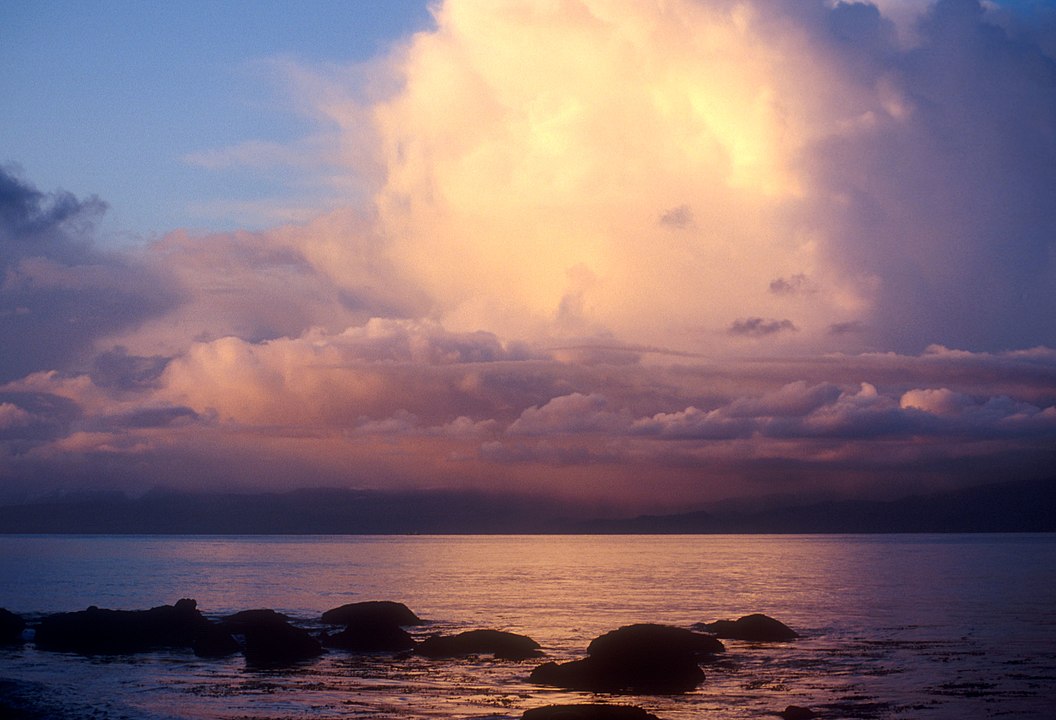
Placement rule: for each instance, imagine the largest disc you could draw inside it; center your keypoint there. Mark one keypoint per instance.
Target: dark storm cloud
(759, 327)
(117, 369)
(680, 217)
(947, 190)
(58, 294)
(150, 417)
(27, 418)
(847, 328)
(798, 284)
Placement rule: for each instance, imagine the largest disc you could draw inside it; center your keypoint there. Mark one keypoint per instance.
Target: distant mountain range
(1028, 506)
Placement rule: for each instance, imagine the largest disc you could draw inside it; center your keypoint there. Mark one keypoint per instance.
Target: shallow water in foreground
(894, 626)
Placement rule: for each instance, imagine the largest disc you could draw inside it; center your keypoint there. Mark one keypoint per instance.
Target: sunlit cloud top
(735, 248)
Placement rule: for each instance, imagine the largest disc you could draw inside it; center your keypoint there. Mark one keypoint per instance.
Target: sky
(651, 255)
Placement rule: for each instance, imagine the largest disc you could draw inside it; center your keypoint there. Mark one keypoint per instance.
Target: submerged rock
(644, 658)
(754, 628)
(100, 631)
(588, 711)
(383, 612)
(503, 645)
(11, 627)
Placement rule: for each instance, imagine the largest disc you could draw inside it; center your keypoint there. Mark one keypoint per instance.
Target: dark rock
(503, 645)
(272, 643)
(263, 616)
(646, 658)
(214, 641)
(593, 676)
(587, 711)
(368, 637)
(652, 643)
(100, 631)
(382, 612)
(755, 628)
(580, 675)
(796, 712)
(11, 627)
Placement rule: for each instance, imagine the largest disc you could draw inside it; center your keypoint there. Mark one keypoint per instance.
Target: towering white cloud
(667, 251)
(697, 174)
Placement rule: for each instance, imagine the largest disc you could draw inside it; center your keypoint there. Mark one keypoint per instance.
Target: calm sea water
(903, 626)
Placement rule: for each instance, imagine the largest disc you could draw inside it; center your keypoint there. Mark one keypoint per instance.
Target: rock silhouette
(214, 641)
(754, 628)
(503, 645)
(11, 627)
(369, 637)
(271, 643)
(99, 631)
(796, 712)
(383, 612)
(587, 711)
(644, 658)
(259, 616)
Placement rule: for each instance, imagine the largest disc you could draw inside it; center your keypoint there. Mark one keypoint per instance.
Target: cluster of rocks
(639, 659)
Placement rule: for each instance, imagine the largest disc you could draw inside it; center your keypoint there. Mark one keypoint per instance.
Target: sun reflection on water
(893, 626)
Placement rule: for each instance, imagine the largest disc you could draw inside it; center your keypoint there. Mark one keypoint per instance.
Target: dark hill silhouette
(1025, 506)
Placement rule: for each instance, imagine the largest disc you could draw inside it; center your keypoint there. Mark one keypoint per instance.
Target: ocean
(893, 626)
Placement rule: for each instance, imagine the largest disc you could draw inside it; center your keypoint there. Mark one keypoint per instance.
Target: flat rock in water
(384, 612)
(101, 631)
(588, 711)
(797, 712)
(503, 645)
(753, 628)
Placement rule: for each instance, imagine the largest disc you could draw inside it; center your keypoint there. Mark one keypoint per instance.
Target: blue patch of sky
(109, 97)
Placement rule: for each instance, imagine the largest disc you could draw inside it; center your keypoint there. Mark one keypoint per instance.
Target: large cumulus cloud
(659, 252)
(671, 172)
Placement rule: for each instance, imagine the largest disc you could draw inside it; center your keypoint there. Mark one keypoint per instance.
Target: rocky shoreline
(639, 659)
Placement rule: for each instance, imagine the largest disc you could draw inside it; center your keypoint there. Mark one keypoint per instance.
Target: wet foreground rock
(754, 628)
(503, 645)
(99, 631)
(588, 711)
(644, 658)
